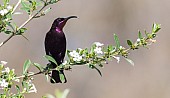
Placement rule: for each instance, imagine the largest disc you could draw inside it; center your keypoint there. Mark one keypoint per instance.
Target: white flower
(74, 53)
(79, 58)
(4, 62)
(98, 44)
(64, 63)
(6, 70)
(121, 47)
(3, 83)
(3, 12)
(98, 50)
(9, 7)
(138, 40)
(80, 49)
(117, 58)
(32, 87)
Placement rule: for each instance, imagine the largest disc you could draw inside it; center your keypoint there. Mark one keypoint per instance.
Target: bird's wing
(47, 45)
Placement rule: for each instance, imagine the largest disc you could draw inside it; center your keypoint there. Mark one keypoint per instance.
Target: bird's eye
(61, 19)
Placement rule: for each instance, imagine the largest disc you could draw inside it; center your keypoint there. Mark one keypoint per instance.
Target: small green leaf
(26, 66)
(10, 25)
(156, 28)
(25, 85)
(47, 10)
(62, 77)
(25, 6)
(21, 31)
(94, 67)
(50, 58)
(53, 1)
(18, 88)
(7, 32)
(40, 68)
(117, 41)
(98, 71)
(130, 61)
(129, 42)
(140, 35)
(49, 96)
(47, 77)
(60, 94)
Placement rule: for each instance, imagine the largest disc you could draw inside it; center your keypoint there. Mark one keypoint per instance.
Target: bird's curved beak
(71, 17)
(62, 24)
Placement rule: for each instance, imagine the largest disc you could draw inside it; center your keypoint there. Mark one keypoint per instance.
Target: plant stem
(4, 42)
(26, 22)
(31, 17)
(16, 6)
(30, 75)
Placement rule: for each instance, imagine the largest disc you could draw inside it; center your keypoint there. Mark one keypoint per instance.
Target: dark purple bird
(55, 46)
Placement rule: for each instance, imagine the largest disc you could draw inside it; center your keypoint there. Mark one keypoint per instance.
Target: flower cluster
(76, 56)
(3, 80)
(4, 11)
(3, 84)
(98, 48)
(8, 78)
(31, 87)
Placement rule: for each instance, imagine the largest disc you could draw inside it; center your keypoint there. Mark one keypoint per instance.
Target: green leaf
(94, 67)
(21, 31)
(7, 32)
(98, 71)
(47, 77)
(25, 6)
(129, 42)
(117, 41)
(53, 1)
(26, 66)
(47, 10)
(49, 96)
(10, 25)
(62, 77)
(140, 35)
(50, 59)
(25, 85)
(130, 61)
(60, 94)
(40, 68)
(18, 88)
(156, 28)
(5, 2)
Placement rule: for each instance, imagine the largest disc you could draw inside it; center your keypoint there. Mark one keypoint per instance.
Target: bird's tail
(55, 78)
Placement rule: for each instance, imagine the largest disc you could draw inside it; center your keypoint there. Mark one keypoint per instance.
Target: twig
(31, 17)
(30, 75)
(2, 43)
(16, 6)
(26, 22)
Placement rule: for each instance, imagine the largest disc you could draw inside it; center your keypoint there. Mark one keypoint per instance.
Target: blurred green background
(98, 20)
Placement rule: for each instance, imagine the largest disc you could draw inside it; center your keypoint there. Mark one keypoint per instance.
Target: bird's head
(60, 22)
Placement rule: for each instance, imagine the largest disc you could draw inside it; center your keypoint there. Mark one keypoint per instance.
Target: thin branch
(16, 6)
(26, 22)
(4, 42)
(30, 75)
(31, 17)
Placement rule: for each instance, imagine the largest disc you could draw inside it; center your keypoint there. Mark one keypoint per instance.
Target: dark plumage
(55, 46)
